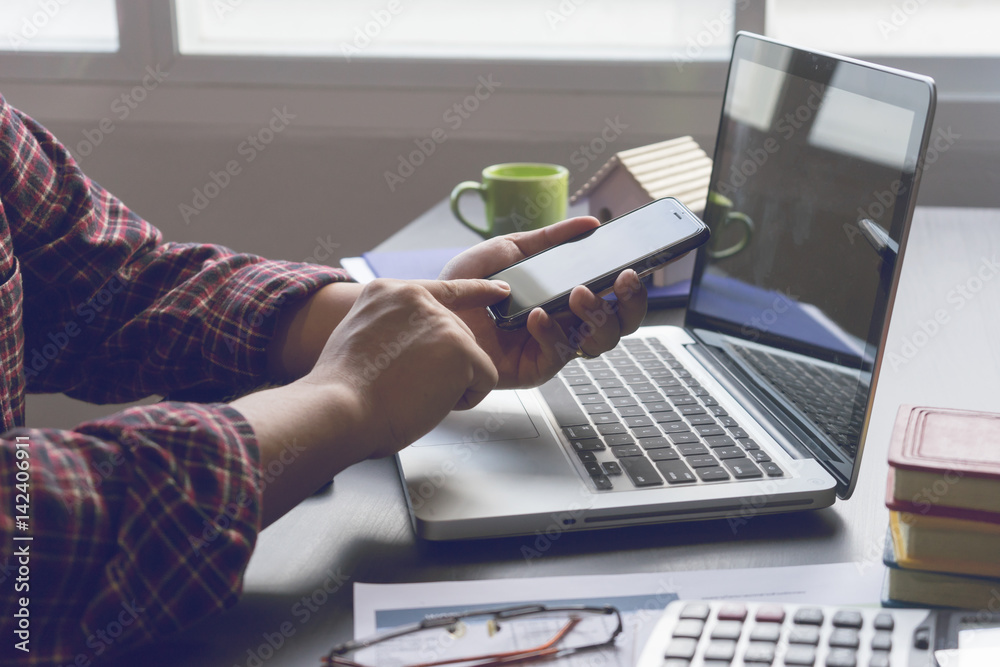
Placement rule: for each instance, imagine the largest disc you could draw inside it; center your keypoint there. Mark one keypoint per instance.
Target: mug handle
(739, 245)
(457, 193)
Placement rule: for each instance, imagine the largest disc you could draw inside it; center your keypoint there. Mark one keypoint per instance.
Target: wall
(318, 190)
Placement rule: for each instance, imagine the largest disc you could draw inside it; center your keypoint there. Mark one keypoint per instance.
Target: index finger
(466, 293)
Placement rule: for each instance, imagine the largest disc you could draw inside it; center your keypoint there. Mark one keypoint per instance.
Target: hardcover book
(945, 462)
(905, 586)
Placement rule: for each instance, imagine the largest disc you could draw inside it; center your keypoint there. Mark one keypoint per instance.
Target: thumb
(463, 294)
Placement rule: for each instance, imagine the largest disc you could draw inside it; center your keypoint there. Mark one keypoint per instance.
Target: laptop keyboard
(636, 418)
(829, 399)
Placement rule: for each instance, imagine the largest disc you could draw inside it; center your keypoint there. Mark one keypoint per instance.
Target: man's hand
(534, 354)
(397, 363)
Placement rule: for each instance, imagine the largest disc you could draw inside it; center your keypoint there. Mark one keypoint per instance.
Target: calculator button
(804, 634)
(681, 647)
(720, 649)
(879, 659)
(847, 619)
(770, 614)
(689, 627)
(884, 621)
(844, 637)
(800, 655)
(698, 610)
(727, 630)
(808, 616)
(759, 653)
(732, 611)
(882, 641)
(765, 632)
(842, 657)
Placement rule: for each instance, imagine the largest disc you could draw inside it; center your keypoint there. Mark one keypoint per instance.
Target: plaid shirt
(142, 522)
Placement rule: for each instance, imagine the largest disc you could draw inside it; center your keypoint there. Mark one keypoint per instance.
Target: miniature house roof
(674, 168)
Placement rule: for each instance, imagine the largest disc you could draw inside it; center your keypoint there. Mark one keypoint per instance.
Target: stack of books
(943, 546)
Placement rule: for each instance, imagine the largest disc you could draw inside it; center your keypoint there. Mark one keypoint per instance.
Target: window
(59, 25)
(888, 27)
(507, 29)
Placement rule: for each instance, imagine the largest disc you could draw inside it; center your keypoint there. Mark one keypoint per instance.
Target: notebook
(760, 402)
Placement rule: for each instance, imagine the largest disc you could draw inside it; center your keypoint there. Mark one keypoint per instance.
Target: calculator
(752, 634)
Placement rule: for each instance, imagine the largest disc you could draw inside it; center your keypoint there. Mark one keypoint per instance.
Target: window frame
(148, 38)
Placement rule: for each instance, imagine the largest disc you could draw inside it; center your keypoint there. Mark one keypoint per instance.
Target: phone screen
(642, 239)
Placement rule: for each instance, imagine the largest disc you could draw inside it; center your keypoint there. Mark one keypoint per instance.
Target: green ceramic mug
(519, 196)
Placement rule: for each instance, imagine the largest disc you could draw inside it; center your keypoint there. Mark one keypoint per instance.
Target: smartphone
(643, 239)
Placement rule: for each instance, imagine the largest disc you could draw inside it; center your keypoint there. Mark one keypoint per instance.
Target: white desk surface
(360, 531)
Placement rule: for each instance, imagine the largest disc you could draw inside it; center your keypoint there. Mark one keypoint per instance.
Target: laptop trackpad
(501, 416)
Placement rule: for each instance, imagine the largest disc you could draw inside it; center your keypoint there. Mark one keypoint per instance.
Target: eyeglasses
(510, 635)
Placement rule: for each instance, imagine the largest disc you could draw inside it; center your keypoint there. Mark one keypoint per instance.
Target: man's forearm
(304, 328)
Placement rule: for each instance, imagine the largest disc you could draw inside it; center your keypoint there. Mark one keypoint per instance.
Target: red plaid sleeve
(110, 312)
(143, 522)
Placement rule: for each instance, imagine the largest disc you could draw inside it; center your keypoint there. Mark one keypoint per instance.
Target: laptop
(760, 402)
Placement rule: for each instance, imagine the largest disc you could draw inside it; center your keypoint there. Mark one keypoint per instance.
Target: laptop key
(656, 442)
(605, 418)
(742, 468)
(640, 420)
(593, 468)
(612, 428)
(716, 410)
(728, 421)
(709, 400)
(772, 469)
(758, 456)
(651, 397)
(611, 468)
(586, 399)
(596, 409)
(562, 404)
(615, 392)
(605, 383)
(581, 389)
(666, 417)
(692, 449)
(588, 445)
(738, 433)
(667, 381)
(676, 472)
(707, 431)
(675, 427)
(749, 445)
(714, 474)
(640, 471)
(617, 439)
(701, 420)
(720, 441)
(691, 410)
(643, 387)
(586, 456)
(687, 438)
(646, 431)
(577, 379)
(621, 401)
(665, 454)
(702, 461)
(658, 406)
(631, 411)
(729, 453)
(683, 400)
(675, 391)
(621, 451)
(580, 431)
(602, 482)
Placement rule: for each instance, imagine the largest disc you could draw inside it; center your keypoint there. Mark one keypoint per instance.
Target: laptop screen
(811, 190)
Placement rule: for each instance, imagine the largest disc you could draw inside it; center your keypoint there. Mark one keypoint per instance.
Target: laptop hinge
(794, 440)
